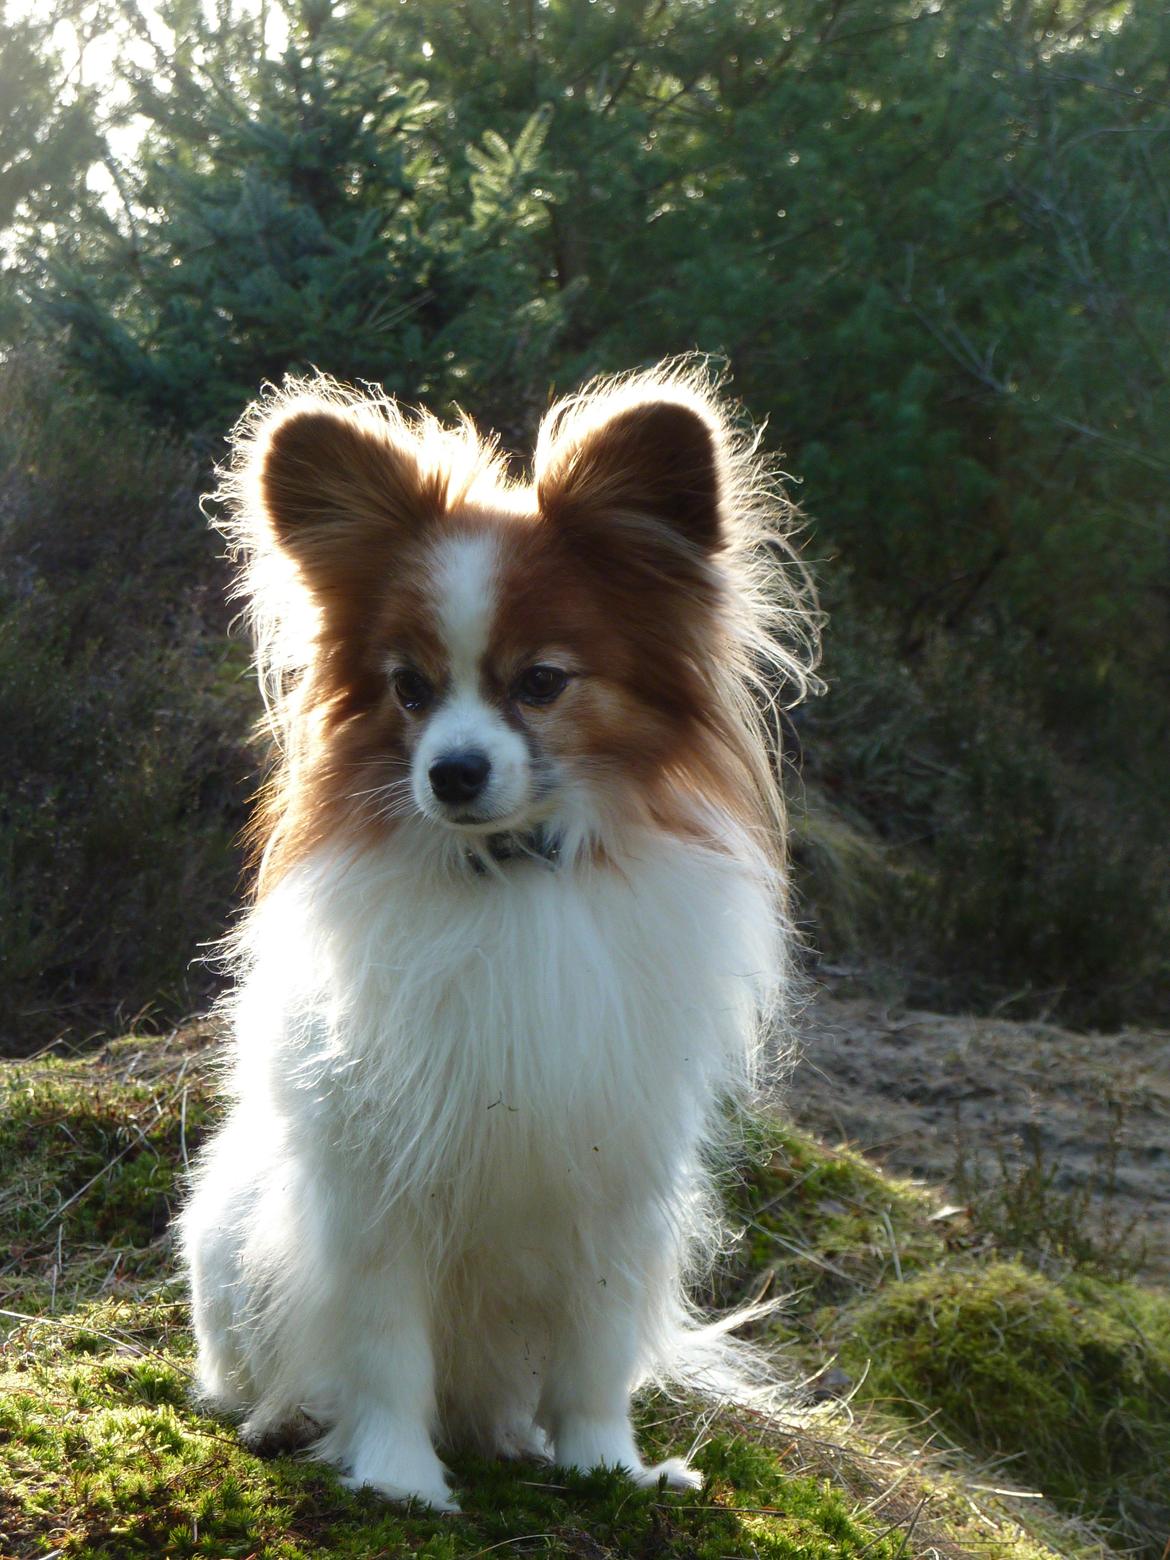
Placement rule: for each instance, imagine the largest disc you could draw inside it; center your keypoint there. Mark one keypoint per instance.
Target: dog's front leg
(382, 1340)
(585, 1404)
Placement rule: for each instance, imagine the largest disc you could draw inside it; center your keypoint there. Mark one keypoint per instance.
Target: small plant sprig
(1021, 1204)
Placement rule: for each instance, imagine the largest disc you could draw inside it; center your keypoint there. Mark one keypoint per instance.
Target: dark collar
(536, 845)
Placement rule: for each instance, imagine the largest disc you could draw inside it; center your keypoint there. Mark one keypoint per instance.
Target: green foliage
(268, 232)
(121, 720)
(830, 1220)
(951, 838)
(289, 211)
(94, 1157)
(1055, 1366)
(930, 242)
(47, 137)
(1070, 1380)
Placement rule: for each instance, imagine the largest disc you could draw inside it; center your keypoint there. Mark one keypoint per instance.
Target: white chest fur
(549, 1028)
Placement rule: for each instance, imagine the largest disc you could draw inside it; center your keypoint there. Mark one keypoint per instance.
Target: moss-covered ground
(963, 1374)
(1058, 1378)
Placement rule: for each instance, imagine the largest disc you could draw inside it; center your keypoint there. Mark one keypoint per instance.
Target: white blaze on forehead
(464, 580)
(465, 571)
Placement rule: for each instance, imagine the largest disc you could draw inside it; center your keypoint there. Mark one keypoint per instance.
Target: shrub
(956, 834)
(120, 715)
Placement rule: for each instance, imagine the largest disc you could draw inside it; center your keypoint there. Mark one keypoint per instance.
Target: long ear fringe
(770, 617)
(773, 611)
(278, 607)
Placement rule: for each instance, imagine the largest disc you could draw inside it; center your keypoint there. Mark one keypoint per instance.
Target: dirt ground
(914, 1089)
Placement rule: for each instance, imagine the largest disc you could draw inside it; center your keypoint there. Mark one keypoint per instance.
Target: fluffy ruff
(477, 1093)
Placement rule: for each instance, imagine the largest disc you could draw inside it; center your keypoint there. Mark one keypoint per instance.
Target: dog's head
(484, 658)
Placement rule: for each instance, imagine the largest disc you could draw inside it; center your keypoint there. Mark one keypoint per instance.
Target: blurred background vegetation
(929, 240)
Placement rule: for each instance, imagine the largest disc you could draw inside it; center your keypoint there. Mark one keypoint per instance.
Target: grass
(833, 1221)
(101, 1453)
(1056, 1373)
(97, 1145)
(105, 1459)
(1068, 1382)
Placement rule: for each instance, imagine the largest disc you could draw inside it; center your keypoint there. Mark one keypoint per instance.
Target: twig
(64, 1323)
(117, 1159)
(913, 1523)
(885, 1494)
(803, 1251)
(56, 1267)
(885, 1532)
(704, 1426)
(885, 1217)
(183, 1133)
(725, 1511)
(994, 1489)
(523, 1538)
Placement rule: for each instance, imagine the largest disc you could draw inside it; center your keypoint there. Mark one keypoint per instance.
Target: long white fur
(466, 1173)
(464, 1176)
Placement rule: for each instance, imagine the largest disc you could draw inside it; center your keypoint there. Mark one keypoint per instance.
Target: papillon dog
(519, 935)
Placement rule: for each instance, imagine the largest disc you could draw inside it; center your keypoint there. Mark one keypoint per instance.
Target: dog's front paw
(677, 1472)
(437, 1497)
(391, 1455)
(273, 1435)
(522, 1441)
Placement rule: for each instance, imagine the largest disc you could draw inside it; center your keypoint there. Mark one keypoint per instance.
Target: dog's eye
(413, 690)
(540, 685)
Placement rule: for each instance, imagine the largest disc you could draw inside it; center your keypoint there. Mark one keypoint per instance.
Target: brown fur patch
(634, 559)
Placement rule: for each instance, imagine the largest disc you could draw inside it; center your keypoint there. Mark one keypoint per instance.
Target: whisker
(378, 790)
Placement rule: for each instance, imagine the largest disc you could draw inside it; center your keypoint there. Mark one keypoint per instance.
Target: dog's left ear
(659, 456)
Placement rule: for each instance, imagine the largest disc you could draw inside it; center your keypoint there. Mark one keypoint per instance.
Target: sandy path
(901, 1085)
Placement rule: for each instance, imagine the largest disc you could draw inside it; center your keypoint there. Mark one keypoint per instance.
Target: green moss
(826, 1222)
(100, 1455)
(1068, 1379)
(96, 1148)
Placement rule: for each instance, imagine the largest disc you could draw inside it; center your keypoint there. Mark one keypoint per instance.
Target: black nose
(459, 777)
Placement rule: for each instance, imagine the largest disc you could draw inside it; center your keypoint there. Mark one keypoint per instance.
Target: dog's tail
(723, 1360)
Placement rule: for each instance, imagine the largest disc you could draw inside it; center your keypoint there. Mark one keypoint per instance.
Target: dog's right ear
(339, 489)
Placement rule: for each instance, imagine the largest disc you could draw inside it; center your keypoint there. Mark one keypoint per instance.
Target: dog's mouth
(541, 844)
(480, 823)
(527, 819)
